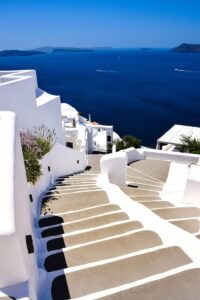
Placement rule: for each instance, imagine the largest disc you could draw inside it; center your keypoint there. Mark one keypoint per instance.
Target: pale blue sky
(83, 23)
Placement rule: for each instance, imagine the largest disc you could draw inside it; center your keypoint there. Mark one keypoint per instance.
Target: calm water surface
(140, 92)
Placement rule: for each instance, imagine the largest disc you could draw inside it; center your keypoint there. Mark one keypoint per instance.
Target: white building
(81, 133)
(172, 138)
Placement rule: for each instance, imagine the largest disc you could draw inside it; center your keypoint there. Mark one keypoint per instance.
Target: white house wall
(15, 216)
(19, 95)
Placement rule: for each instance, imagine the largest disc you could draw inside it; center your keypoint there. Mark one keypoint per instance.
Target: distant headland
(188, 48)
(49, 50)
(5, 53)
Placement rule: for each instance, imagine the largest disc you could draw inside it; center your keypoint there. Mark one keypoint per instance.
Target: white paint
(176, 181)
(192, 189)
(114, 166)
(33, 107)
(134, 154)
(16, 264)
(143, 153)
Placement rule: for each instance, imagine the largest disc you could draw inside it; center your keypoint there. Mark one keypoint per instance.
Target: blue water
(140, 92)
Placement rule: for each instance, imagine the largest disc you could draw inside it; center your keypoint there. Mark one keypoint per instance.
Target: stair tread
(177, 212)
(156, 204)
(180, 286)
(60, 203)
(95, 234)
(157, 169)
(119, 272)
(85, 224)
(104, 249)
(78, 215)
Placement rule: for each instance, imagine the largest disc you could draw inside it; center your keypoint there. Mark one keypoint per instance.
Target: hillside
(189, 48)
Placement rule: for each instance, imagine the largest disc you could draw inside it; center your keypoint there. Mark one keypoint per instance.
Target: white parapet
(114, 165)
(176, 181)
(192, 189)
(134, 154)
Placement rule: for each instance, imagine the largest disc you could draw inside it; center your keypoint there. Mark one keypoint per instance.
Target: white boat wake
(106, 71)
(186, 71)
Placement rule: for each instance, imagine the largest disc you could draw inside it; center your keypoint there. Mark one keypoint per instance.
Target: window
(69, 145)
(109, 140)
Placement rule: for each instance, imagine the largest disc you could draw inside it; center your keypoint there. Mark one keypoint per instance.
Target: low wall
(61, 161)
(114, 167)
(140, 154)
(171, 156)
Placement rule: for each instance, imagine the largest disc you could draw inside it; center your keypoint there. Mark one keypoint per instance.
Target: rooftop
(173, 135)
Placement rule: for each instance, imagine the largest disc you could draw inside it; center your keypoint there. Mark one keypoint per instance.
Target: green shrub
(34, 146)
(126, 142)
(45, 138)
(189, 145)
(33, 169)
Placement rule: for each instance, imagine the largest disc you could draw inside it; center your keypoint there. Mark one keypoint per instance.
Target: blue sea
(140, 92)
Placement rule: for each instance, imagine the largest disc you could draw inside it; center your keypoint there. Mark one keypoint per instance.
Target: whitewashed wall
(62, 161)
(16, 264)
(18, 93)
(114, 166)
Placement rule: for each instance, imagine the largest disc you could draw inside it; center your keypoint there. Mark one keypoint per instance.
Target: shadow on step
(52, 231)
(57, 263)
(53, 220)
(60, 289)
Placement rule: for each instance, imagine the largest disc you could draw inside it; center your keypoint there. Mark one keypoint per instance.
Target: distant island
(188, 48)
(49, 50)
(145, 49)
(5, 53)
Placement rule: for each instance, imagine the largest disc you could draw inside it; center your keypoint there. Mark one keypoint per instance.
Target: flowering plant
(35, 144)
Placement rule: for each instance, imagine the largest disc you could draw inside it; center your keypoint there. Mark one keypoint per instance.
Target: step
(146, 198)
(156, 204)
(149, 187)
(158, 169)
(92, 235)
(72, 184)
(190, 225)
(77, 215)
(104, 249)
(7, 298)
(181, 286)
(71, 189)
(76, 201)
(138, 192)
(77, 178)
(178, 212)
(135, 173)
(76, 181)
(118, 272)
(85, 224)
(139, 180)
